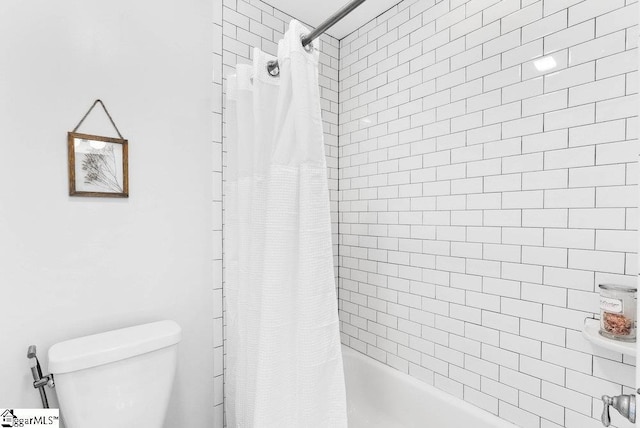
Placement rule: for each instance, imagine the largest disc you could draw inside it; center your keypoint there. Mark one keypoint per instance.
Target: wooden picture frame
(98, 166)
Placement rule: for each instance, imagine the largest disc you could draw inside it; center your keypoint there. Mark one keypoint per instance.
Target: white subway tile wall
(487, 185)
(218, 335)
(243, 26)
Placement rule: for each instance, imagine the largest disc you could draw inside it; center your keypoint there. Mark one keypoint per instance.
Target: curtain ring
(273, 68)
(309, 47)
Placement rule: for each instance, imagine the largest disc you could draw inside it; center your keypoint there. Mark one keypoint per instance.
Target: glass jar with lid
(618, 312)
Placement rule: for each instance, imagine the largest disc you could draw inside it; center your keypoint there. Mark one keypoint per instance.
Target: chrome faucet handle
(606, 417)
(624, 404)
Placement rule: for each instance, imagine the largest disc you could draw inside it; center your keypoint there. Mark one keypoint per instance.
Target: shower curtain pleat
(284, 360)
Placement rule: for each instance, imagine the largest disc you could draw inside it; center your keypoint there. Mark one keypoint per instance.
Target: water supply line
(39, 381)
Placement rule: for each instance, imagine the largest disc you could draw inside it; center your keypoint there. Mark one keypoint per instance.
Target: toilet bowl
(120, 378)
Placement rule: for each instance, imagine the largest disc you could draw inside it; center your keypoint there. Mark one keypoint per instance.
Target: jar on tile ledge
(618, 312)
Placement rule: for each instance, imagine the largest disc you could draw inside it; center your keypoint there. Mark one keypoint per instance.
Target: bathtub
(381, 397)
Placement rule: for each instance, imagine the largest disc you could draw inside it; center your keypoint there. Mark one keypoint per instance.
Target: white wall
(75, 266)
(482, 201)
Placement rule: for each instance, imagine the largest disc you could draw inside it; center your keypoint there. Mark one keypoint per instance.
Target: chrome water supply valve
(39, 381)
(624, 404)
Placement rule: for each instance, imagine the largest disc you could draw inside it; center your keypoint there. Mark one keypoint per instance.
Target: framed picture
(98, 166)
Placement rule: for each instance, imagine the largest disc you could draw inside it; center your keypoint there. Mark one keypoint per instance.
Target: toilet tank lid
(98, 349)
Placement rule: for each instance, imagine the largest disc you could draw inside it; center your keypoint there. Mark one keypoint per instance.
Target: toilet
(120, 378)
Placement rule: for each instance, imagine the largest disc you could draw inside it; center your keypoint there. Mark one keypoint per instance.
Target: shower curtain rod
(272, 66)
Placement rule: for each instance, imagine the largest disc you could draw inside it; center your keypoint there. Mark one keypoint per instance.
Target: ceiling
(314, 12)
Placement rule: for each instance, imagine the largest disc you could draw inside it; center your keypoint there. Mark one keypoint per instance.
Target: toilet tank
(120, 378)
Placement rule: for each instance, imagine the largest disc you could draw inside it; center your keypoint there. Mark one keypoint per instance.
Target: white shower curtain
(284, 363)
